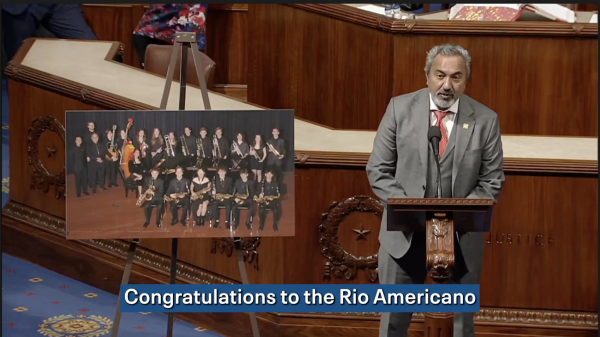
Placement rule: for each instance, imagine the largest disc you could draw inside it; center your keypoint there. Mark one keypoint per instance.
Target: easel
(183, 41)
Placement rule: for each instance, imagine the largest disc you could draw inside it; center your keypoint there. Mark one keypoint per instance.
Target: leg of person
(410, 269)
(185, 211)
(195, 212)
(115, 168)
(148, 212)
(227, 213)
(84, 181)
(67, 21)
(216, 214)
(250, 214)
(262, 215)
(203, 211)
(92, 180)
(78, 186)
(160, 212)
(174, 215)
(18, 28)
(277, 213)
(102, 176)
(235, 211)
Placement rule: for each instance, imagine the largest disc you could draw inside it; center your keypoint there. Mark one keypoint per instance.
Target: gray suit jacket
(397, 167)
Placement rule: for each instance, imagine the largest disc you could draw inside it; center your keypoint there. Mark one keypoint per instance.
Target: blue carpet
(39, 302)
(5, 142)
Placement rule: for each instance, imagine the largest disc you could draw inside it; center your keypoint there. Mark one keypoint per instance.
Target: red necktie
(444, 141)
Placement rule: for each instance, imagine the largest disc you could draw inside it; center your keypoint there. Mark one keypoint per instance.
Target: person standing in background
(162, 21)
(21, 21)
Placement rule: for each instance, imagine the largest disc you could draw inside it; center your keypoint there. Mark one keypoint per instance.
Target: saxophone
(146, 196)
(219, 196)
(197, 195)
(257, 197)
(184, 146)
(242, 197)
(275, 152)
(178, 196)
(267, 199)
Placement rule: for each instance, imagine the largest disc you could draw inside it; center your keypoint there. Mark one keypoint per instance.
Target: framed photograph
(180, 174)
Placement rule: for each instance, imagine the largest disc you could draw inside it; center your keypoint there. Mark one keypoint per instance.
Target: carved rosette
(341, 263)
(248, 245)
(440, 248)
(41, 178)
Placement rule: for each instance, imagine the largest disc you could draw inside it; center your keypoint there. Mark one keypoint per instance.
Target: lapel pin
(465, 126)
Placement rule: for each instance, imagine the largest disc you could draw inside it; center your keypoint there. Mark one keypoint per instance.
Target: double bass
(127, 151)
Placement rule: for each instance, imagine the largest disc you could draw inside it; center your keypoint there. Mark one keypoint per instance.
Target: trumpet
(237, 150)
(143, 148)
(146, 196)
(197, 195)
(184, 146)
(275, 152)
(169, 146)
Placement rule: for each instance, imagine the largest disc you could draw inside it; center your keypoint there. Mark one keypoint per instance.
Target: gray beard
(442, 104)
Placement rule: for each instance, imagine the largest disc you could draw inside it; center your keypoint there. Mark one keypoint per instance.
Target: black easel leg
(125, 280)
(174, 250)
(244, 274)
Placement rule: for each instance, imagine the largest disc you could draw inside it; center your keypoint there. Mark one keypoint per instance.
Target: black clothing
(140, 169)
(196, 203)
(224, 186)
(179, 186)
(254, 163)
(157, 200)
(236, 160)
(247, 190)
(95, 169)
(79, 165)
(270, 189)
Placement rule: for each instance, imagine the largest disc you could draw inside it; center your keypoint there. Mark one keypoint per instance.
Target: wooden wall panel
(339, 66)
(512, 76)
(227, 29)
(327, 70)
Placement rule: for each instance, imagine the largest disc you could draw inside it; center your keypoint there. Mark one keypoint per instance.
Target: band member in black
(96, 155)
(157, 200)
(137, 168)
(222, 194)
(156, 147)
(239, 152)
(190, 142)
(112, 159)
(243, 196)
(121, 139)
(78, 158)
(258, 155)
(140, 143)
(220, 148)
(87, 138)
(179, 193)
(275, 154)
(173, 157)
(201, 190)
(205, 149)
(269, 198)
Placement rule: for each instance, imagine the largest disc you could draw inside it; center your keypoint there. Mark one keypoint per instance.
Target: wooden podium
(440, 218)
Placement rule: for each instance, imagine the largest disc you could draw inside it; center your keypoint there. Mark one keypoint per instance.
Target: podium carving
(440, 219)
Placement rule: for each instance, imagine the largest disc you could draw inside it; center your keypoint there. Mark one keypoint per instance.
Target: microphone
(434, 135)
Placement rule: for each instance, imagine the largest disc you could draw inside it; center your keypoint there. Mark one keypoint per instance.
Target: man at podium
(402, 165)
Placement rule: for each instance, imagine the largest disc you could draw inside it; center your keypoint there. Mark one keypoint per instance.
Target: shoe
(174, 222)
(159, 224)
(146, 224)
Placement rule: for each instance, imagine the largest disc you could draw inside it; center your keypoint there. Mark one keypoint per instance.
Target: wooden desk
(539, 274)
(339, 66)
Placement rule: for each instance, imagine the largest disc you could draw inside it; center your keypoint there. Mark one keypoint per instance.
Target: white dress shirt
(448, 120)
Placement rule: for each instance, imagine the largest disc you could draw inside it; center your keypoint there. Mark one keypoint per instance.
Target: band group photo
(163, 174)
